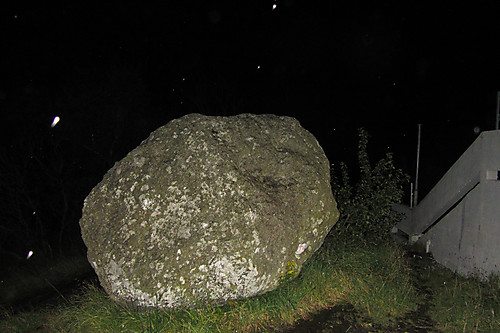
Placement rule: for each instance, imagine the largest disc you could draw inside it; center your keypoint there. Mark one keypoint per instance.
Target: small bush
(366, 208)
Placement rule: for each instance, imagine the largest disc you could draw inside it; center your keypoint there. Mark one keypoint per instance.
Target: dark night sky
(334, 65)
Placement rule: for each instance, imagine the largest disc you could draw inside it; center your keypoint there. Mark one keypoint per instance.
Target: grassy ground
(463, 304)
(376, 281)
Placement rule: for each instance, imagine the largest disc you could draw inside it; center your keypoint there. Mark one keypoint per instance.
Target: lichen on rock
(209, 209)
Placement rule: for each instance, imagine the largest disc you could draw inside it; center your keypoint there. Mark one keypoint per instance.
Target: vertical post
(411, 195)
(497, 121)
(415, 195)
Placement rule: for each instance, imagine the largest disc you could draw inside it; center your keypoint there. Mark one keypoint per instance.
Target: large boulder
(209, 209)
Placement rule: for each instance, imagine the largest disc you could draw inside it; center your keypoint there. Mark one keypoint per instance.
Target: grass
(465, 304)
(376, 280)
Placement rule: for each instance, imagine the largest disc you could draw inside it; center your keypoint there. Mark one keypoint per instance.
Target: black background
(115, 71)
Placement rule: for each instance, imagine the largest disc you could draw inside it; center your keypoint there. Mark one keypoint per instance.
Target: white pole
(498, 110)
(415, 195)
(411, 195)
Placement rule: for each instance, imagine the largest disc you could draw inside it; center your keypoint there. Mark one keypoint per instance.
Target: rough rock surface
(209, 208)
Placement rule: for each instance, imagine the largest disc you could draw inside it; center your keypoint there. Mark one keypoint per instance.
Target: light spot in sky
(30, 253)
(55, 121)
(274, 6)
(258, 66)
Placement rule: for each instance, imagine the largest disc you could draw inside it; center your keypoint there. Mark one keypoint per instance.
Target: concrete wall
(459, 220)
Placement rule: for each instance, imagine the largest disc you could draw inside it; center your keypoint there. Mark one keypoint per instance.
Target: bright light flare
(274, 6)
(29, 255)
(55, 121)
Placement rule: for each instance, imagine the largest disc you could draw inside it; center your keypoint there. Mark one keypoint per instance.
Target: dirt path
(340, 318)
(419, 320)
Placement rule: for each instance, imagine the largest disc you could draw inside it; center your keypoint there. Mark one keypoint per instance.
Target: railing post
(415, 195)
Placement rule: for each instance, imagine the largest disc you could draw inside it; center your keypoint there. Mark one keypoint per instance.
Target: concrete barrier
(459, 220)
